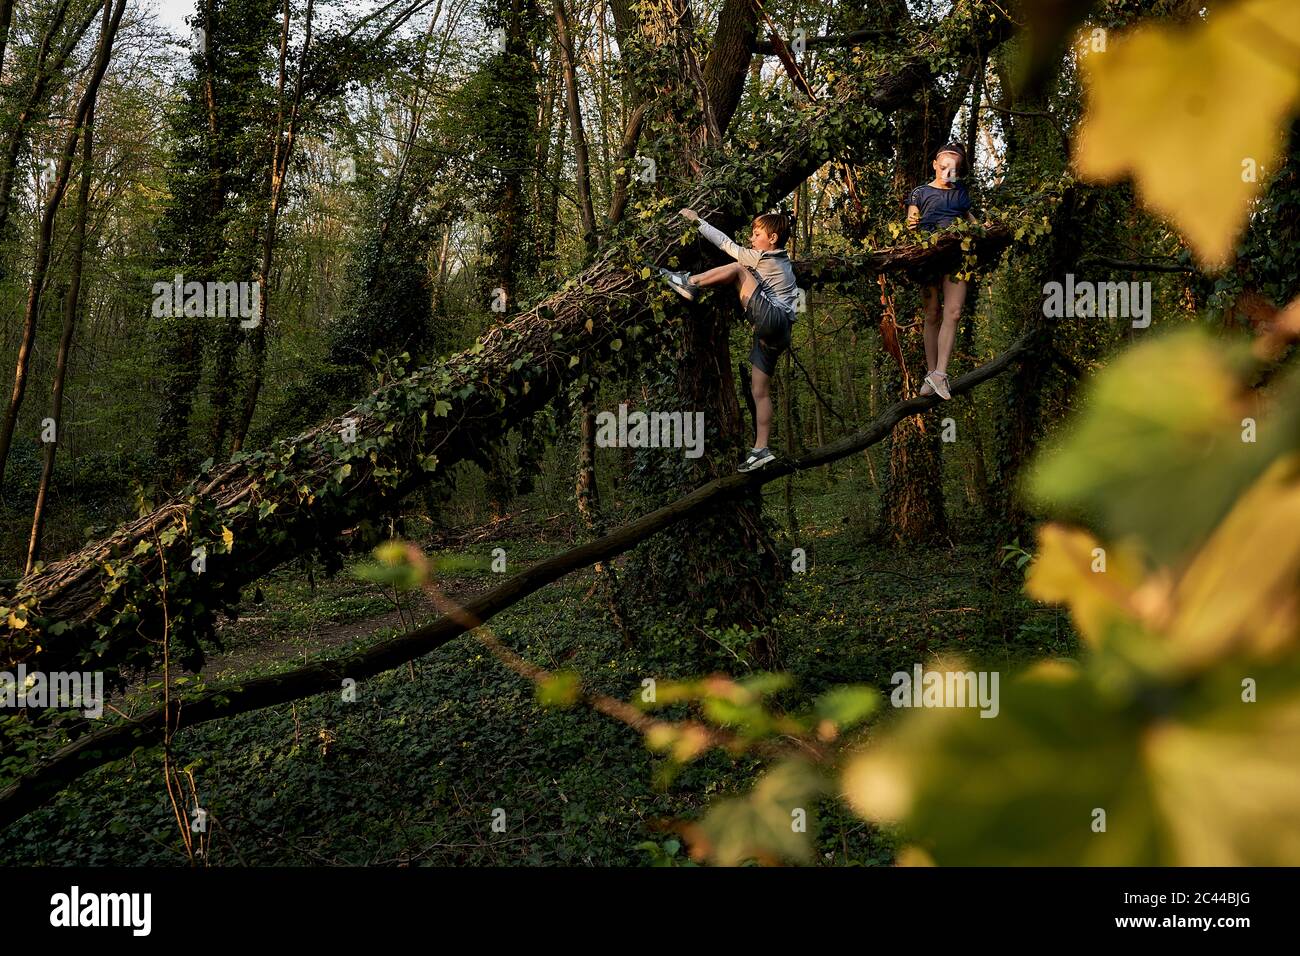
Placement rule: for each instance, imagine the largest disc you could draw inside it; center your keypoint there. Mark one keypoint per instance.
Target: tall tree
(210, 220)
(45, 235)
(284, 138)
(727, 560)
(71, 315)
(573, 101)
(54, 49)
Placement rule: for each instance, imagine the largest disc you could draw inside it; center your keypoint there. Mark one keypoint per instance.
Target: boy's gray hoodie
(774, 271)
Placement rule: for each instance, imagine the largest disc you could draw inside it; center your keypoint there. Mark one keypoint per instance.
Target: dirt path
(417, 608)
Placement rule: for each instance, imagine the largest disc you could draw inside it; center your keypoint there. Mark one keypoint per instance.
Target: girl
(930, 207)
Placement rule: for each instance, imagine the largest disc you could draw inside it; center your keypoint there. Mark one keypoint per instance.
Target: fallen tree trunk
(944, 251)
(112, 743)
(103, 607)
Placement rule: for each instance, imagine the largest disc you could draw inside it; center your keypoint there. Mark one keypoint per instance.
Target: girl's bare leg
(733, 273)
(954, 297)
(759, 381)
(930, 330)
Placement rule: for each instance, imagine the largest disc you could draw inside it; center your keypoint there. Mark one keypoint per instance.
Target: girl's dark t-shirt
(939, 207)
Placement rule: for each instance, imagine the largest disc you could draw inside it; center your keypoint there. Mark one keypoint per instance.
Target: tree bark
(6, 17)
(623, 175)
(729, 55)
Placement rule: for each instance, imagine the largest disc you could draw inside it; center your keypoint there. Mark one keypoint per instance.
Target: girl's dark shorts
(929, 273)
(773, 323)
(932, 272)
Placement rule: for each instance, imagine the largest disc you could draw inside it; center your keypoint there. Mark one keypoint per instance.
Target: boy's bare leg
(930, 330)
(733, 273)
(759, 382)
(954, 297)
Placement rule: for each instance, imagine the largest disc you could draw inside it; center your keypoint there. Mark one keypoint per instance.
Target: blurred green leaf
(765, 824)
(847, 706)
(1194, 778)
(1157, 451)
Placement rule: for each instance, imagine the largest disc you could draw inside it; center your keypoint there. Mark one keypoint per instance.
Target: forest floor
(411, 772)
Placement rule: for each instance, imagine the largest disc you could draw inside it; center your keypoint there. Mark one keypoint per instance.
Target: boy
(764, 280)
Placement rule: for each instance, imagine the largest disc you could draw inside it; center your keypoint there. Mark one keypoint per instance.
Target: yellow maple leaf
(1195, 115)
(1239, 592)
(1073, 568)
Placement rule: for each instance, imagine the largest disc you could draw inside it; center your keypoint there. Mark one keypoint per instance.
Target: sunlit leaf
(1190, 111)
(1240, 592)
(1227, 777)
(847, 706)
(559, 689)
(1073, 568)
(394, 565)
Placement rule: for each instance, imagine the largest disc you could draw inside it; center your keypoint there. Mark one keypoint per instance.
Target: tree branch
(852, 38)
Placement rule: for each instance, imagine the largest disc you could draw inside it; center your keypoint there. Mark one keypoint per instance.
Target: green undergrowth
(412, 771)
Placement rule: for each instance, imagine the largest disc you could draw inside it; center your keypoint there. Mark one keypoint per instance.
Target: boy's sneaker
(758, 458)
(681, 283)
(939, 382)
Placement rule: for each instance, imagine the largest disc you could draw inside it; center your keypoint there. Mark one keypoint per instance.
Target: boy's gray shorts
(772, 327)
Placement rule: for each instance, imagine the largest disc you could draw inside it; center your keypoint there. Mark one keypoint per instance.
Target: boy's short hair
(775, 222)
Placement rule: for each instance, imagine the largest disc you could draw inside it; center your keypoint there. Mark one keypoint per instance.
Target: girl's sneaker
(939, 382)
(926, 387)
(681, 283)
